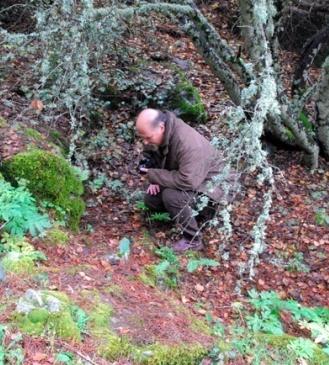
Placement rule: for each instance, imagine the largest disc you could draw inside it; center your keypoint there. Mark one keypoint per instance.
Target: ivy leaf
(124, 248)
(194, 264)
(162, 267)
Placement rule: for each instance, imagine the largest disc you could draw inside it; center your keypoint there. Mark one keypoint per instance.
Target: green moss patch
(113, 346)
(20, 256)
(57, 236)
(33, 133)
(185, 98)
(39, 312)
(50, 178)
(3, 122)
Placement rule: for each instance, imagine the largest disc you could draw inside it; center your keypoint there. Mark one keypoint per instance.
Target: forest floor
(294, 264)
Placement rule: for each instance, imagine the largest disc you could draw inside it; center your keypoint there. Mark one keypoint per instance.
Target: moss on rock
(50, 178)
(185, 98)
(18, 263)
(41, 311)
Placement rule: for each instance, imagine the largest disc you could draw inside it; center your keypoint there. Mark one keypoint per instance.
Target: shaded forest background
(77, 243)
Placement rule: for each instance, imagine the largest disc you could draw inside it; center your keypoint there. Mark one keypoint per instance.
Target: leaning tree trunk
(322, 105)
(240, 78)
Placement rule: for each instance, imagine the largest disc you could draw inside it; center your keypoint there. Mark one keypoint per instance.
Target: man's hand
(153, 189)
(143, 170)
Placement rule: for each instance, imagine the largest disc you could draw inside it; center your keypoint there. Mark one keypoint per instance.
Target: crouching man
(185, 163)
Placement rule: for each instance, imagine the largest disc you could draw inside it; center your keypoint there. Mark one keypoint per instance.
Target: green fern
(160, 217)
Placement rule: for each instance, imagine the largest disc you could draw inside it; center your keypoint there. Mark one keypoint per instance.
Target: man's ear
(162, 126)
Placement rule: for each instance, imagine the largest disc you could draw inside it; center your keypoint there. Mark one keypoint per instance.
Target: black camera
(145, 163)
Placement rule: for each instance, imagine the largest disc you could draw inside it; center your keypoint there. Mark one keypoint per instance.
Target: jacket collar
(169, 129)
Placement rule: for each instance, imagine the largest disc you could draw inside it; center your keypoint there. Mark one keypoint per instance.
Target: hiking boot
(185, 244)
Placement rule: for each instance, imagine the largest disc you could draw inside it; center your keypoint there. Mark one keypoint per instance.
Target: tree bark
(322, 104)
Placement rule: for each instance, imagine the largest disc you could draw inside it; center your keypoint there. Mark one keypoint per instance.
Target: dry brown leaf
(37, 104)
(38, 356)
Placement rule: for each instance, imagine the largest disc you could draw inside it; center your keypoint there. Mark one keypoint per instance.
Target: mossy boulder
(40, 311)
(51, 179)
(186, 101)
(18, 263)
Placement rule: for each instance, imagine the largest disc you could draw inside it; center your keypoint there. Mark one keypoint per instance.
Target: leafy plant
(160, 217)
(11, 353)
(168, 268)
(321, 217)
(80, 317)
(124, 248)
(18, 211)
(297, 263)
(66, 358)
(140, 205)
(302, 347)
(194, 264)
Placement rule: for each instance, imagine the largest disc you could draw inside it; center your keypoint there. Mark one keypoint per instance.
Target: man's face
(151, 135)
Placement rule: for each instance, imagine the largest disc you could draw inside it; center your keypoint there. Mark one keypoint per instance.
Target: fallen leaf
(39, 356)
(199, 287)
(37, 104)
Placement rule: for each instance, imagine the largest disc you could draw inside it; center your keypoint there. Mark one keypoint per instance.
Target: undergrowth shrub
(18, 211)
(11, 352)
(19, 255)
(260, 335)
(50, 178)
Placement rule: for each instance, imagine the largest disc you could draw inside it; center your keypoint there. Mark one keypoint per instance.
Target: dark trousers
(178, 204)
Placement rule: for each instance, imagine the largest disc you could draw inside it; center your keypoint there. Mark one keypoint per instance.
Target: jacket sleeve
(192, 171)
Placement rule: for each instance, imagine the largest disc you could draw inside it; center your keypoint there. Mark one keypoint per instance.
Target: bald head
(150, 125)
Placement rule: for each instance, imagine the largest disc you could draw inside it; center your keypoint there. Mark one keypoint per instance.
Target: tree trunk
(322, 104)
